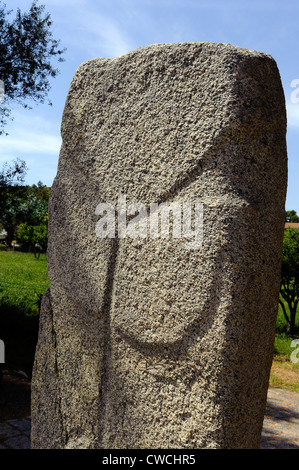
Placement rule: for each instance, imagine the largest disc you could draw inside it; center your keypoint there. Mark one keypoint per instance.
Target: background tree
(11, 195)
(289, 289)
(291, 216)
(27, 48)
(32, 236)
(12, 174)
(34, 228)
(21, 204)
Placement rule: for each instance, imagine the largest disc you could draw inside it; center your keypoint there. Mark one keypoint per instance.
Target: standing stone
(145, 343)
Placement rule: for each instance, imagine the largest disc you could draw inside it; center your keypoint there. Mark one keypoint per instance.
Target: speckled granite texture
(144, 343)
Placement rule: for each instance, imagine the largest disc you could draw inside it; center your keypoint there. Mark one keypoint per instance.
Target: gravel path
(281, 423)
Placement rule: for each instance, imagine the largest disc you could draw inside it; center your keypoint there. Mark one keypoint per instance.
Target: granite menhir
(154, 338)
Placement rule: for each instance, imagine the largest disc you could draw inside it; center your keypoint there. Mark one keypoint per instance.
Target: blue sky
(108, 28)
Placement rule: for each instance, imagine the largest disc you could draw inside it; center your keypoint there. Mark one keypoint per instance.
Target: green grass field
(24, 279)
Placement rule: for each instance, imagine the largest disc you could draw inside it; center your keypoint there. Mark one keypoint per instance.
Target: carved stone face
(142, 133)
(155, 344)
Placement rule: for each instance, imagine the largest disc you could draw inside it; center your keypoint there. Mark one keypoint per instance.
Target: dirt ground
(285, 376)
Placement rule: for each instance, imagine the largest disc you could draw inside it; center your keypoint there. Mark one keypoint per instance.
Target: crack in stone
(107, 357)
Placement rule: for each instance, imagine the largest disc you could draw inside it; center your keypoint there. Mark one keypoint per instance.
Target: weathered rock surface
(144, 343)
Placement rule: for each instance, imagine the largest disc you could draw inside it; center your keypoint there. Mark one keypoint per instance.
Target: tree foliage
(21, 204)
(33, 235)
(291, 216)
(11, 194)
(27, 48)
(12, 174)
(289, 289)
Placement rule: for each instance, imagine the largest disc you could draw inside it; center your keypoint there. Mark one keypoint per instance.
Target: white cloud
(30, 134)
(96, 33)
(35, 140)
(31, 142)
(96, 28)
(103, 35)
(292, 114)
